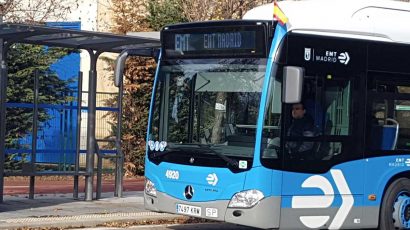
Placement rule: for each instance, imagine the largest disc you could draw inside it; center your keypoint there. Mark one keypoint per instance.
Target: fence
(52, 140)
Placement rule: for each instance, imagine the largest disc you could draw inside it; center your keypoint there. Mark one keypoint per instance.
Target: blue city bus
(218, 142)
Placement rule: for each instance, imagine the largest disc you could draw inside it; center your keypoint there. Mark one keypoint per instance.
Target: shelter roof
(77, 39)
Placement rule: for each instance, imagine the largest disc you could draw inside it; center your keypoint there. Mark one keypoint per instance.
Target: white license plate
(211, 212)
(188, 210)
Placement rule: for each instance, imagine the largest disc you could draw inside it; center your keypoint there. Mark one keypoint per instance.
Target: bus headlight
(246, 199)
(150, 188)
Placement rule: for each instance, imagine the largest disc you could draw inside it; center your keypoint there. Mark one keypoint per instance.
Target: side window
(338, 103)
(329, 107)
(271, 128)
(157, 117)
(388, 123)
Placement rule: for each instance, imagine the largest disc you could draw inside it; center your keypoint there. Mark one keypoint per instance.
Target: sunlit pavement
(210, 226)
(62, 211)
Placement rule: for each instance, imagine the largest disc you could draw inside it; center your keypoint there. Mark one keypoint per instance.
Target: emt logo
(212, 179)
(325, 201)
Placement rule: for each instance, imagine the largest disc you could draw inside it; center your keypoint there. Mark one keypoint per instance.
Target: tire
(399, 188)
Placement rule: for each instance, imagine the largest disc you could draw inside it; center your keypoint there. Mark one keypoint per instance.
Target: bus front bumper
(265, 214)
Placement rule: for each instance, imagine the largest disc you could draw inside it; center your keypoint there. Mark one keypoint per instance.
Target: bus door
(323, 172)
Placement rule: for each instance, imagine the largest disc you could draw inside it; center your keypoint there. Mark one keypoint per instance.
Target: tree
(162, 13)
(138, 85)
(36, 11)
(143, 15)
(138, 81)
(197, 10)
(23, 59)
(129, 16)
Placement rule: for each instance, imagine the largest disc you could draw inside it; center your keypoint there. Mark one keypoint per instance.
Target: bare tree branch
(202, 10)
(37, 11)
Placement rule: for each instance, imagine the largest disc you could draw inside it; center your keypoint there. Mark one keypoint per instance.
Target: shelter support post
(34, 138)
(91, 115)
(119, 167)
(78, 144)
(3, 88)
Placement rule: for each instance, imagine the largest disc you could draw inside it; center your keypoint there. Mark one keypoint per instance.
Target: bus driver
(302, 126)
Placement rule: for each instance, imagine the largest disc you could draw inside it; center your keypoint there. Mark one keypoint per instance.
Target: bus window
(402, 114)
(271, 128)
(388, 125)
(207, 104)
(327, 101)
(337, 102)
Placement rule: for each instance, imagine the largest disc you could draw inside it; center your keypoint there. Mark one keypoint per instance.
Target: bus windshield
(209, 104)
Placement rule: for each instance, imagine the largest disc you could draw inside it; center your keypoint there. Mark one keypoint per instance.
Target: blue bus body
(351, 185)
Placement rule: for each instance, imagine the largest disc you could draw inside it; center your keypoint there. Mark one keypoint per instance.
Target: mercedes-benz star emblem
(189, 192)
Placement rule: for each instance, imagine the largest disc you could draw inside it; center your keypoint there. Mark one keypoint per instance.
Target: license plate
(211, 212)
(188, 210)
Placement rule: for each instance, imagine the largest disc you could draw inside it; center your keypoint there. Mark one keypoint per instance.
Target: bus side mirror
(292, 84)
(120, 62)
(119, 68)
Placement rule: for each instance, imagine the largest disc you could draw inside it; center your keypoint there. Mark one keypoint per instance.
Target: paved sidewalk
(20, 185)
(62, 211)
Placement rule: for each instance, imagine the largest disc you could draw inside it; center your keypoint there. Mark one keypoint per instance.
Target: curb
(81, 221)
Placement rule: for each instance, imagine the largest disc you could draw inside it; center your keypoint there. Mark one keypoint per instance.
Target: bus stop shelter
(95, 43)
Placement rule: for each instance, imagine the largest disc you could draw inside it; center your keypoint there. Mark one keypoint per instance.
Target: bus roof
(384, 20)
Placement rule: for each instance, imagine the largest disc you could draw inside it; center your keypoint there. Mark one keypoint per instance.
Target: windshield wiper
(228, 160)
(206, 149)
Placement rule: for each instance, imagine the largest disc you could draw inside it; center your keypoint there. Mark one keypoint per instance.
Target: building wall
(95, 15)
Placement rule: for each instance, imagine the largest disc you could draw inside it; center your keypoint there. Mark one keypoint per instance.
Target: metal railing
(66, 148)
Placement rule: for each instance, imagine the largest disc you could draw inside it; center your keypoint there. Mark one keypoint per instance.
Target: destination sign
(207, 42)
(215, 41)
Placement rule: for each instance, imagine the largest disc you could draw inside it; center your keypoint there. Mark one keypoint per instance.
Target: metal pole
(78, 137)
(34, 137)
(1, 12)
(92, 91)
(119, 167)
(3, 88)
(99, 172)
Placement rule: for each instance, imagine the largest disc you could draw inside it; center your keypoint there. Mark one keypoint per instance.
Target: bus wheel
(395, 211)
